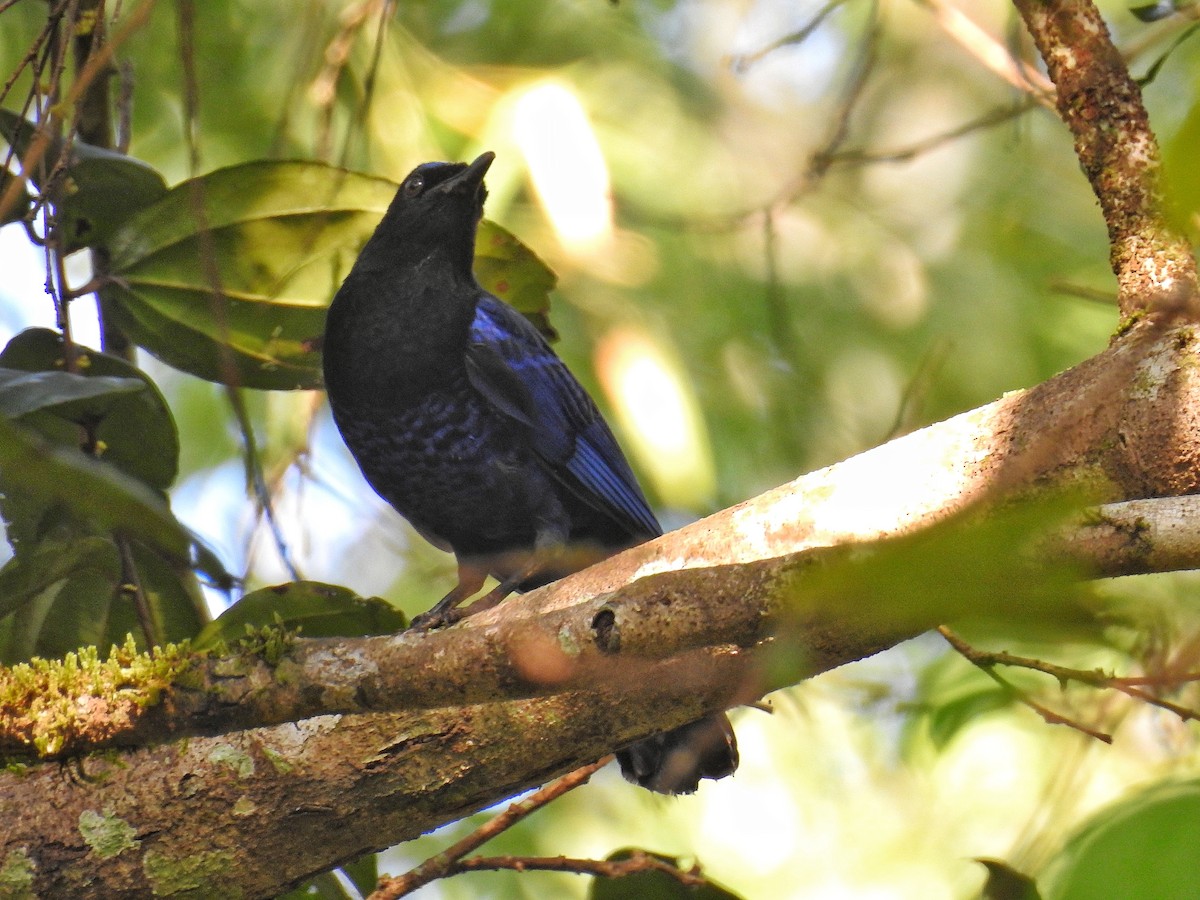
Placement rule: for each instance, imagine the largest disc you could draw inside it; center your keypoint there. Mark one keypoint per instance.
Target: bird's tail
(674, 762)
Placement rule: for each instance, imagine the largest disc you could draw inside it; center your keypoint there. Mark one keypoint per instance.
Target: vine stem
(450, 860)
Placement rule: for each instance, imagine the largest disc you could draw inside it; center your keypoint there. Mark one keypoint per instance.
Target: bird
(462, 417)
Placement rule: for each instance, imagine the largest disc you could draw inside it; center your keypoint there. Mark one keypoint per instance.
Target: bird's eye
(414, 186)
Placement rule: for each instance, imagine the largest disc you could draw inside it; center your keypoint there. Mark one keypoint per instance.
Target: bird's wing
(510, 363)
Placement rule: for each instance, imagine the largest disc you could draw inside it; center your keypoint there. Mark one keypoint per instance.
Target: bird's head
(440, 190)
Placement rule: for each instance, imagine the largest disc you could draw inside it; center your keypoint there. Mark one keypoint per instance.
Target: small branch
(96, 64)
(448, 861)
(359, 122)
(991, 53)
(218, 302)
(991, 119)
(322, 92)
(744, 61)
(1102, 106)
(1097, 678)
(1082, 292)
(819, 162)
(987, 662)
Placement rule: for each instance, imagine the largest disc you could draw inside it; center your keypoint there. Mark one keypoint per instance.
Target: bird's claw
(436, 618)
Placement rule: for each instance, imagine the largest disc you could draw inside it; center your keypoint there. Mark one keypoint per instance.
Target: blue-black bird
(461, 416)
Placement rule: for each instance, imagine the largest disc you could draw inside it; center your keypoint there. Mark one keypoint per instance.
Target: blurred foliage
(1145, 844)
(808, 314)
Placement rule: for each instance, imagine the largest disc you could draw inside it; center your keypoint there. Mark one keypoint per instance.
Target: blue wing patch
(512, 365)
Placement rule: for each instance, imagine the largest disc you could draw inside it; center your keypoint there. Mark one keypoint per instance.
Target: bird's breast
(453, 466)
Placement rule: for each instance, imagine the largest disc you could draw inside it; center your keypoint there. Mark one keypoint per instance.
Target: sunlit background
(741, 321)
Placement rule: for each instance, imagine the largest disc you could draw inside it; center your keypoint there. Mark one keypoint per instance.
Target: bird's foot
(436, 618)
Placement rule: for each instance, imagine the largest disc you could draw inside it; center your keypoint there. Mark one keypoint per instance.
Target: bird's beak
(469, 178)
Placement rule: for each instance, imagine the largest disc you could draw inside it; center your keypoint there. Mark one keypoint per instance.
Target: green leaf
(71, 396)
(17, 210)
(48, 625)
(514, 273)
(1006, 883)
(134, 425)
(63, 479)
(654, 885)
(1181, 181)
(319, 610)
(26, 576)
(280, 238)
(948, 719)
(277, 238)
(19, 133)
(363, 872)
(100, 188)
(1145, 845)
(68, 593)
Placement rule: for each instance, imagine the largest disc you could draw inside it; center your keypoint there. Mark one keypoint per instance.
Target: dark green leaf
(1006, 883)
(24, 577)
(42, 627)
(100, 188)
(71, 396)
(18, 210)
(1144, 846)
(64, 480)
(654, 885)
(19, 131)
(364, 872)
(136, 430)
(65, 594)
(172, 594)
(319, 610)
(947, 719)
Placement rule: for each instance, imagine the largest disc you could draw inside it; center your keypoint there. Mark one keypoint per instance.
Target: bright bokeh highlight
(658, 411)
(565, 164)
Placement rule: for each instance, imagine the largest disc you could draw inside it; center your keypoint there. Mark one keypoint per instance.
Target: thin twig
(95, 65)
(1070, 289)
(918, 385)
(986, 663)
(360, 118)
(131, 586)
(819, 162)
(323, 90)
(32, 53)
(744, 61)
(995, 117)
(218, 302)
(994, 56)
(638, 861)
(445, 863)
(1097, 678)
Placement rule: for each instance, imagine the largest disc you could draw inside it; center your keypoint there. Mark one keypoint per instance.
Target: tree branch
(1102, 105)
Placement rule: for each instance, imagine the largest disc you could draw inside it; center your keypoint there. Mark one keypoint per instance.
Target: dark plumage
(462, 418)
